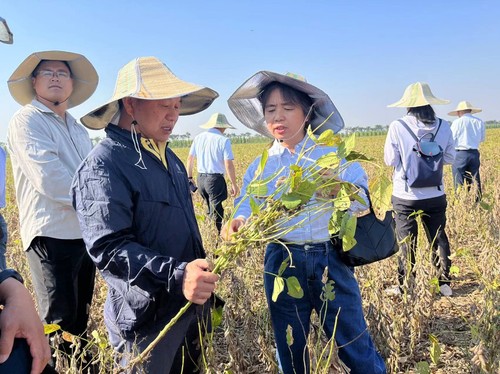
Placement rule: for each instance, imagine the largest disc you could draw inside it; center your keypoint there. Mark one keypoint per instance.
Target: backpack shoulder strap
(439, 126)
(408, 129)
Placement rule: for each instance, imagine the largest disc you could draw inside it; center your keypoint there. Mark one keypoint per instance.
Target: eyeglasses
(61, 74)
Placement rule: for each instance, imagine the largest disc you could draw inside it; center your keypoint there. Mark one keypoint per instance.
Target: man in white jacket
(46, 145)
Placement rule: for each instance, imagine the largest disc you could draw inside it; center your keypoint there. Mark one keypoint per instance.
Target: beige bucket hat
(418, 94)
(148, 78)
(84, 76)
(464, 105)
(246, 106)
(218, 121)
(5, 34)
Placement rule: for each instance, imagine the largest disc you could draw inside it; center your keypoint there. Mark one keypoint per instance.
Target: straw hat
(464, 105)
(84, 76)
(218, 121)
(5, 34)
(418, 94)
(148, 78)
(247, 108)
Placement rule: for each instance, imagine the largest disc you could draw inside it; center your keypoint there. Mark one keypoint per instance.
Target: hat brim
(245, 105)
(472, 111)
(192, 103)
(85, 78)
(417, 102)
(5, 33)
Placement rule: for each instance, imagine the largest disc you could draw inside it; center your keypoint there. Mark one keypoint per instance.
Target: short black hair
(35, 70)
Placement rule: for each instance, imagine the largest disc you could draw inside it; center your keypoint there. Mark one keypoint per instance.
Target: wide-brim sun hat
(218, 121)
(84, 76)
(418, 94)
(5, 33)
(245, 104)
(148, 78)
(464, 105)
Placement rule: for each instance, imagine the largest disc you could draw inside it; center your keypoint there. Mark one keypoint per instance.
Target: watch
(10, 273)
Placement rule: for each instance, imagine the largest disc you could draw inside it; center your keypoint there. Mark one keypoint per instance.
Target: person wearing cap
(214, 156)
(281, 107)
(46, 145)
(431, 201)
(468, 133)
(135, 209)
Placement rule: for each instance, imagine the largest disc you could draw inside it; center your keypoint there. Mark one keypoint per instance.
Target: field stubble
(417, 333)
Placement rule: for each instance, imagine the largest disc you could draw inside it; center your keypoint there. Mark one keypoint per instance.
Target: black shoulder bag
(375, 240)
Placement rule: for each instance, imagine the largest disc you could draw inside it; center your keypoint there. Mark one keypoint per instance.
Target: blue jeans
(3, 242)
(309, 261)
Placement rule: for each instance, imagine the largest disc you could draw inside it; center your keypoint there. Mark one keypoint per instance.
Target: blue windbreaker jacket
(140, 229)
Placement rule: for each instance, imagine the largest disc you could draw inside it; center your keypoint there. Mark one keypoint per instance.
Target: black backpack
(425, 168)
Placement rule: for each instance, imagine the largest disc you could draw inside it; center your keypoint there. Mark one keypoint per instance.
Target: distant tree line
(184, 140)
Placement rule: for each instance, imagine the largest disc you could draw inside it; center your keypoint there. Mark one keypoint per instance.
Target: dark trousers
(434, 222)
(465, 169)
(177, 353)
(213, 189)
(63, 278)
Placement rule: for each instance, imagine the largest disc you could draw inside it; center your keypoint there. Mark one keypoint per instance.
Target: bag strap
(439, 126)
(408, 129)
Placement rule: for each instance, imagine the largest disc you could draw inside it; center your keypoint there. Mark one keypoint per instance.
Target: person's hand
(19, 319)
(231, 227)
(199, 282)
(235, 190)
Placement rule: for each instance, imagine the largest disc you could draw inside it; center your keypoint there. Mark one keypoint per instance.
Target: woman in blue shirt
(282, 107)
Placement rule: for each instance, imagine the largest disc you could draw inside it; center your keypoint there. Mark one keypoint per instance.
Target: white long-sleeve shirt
(397, 150)
(45, 152)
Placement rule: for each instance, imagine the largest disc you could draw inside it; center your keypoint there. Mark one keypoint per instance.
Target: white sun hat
(246, 106)
(418, 94)
(217, 120)
(84, 76)
(464, 105)
(148, 78)
(5, 33)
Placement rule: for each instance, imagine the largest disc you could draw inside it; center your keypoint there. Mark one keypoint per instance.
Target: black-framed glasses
(60, 74)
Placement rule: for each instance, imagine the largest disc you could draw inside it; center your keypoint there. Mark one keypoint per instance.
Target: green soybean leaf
(435, 349)
(343, 200)
(381, 191)
(279, 286)
(254, 206)
(357, 156)
(263, 162)
(329, 161)
(335, 222)
(345, 148)
(294, 289)
(216, 317)
(329, 138)
(283, 266)
(257, 188)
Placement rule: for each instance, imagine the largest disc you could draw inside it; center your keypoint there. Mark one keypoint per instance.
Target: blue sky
(362, 53)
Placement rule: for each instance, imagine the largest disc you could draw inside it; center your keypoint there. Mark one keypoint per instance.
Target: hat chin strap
(56, 103)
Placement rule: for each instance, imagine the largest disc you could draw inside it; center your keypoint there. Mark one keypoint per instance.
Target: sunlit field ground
(419, 332)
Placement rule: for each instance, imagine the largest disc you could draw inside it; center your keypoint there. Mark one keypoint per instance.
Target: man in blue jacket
(137, 218)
